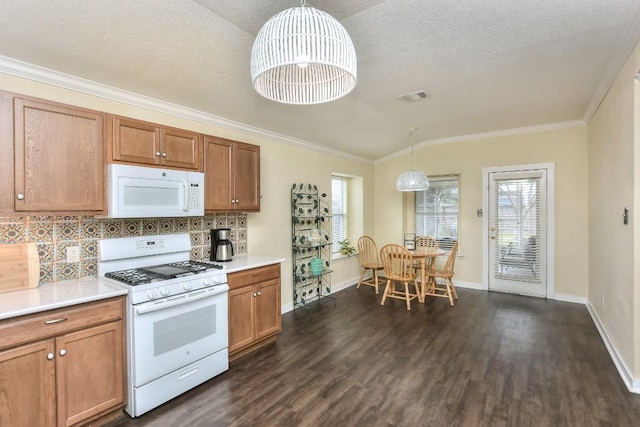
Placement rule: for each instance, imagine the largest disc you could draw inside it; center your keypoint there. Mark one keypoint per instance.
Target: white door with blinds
(517, 235)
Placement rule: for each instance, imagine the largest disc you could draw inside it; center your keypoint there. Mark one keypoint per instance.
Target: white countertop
(71, 292)
(246, 262)
(56, 295)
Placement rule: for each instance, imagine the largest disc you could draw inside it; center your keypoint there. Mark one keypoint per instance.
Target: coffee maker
(221, 246)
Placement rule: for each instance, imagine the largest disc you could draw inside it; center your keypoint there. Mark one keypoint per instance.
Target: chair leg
(453, 288)
(406, 295)
(447, 283)
(375, 272)
(419, 290)
(362, 271)
(386, 291)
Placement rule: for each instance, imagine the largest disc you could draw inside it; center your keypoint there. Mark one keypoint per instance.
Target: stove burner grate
(156, 273)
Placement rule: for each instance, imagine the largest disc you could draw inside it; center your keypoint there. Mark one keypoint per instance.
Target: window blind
(437, 210)
(338, 212)
(517, 229)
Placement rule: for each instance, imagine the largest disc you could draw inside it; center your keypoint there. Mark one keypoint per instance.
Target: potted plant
(346, 248)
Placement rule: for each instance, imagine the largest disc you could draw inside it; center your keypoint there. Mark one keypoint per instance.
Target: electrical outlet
(73, 254)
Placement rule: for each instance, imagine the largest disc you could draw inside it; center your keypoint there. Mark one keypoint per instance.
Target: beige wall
(282, 164)
(566, 148)
(614, 247)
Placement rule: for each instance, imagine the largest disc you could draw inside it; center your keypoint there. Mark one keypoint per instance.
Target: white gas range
(177, 332)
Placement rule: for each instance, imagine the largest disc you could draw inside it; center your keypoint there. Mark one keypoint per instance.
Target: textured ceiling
(487, 65)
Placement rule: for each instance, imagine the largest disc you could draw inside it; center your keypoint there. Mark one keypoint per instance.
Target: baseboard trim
(334, 288)
(632, 384)
(570, 298)
(469, 285)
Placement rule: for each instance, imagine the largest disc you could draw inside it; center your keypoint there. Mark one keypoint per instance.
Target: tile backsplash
(54, 234)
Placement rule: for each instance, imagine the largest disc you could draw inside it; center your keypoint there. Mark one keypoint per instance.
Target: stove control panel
(169, 288)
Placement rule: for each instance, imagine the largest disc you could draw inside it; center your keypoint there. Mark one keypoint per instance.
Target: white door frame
(550, 168)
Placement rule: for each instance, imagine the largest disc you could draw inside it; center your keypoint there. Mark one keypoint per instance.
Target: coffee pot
(221, 246)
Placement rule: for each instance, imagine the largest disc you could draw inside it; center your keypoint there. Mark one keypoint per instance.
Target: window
(437, 210)
(339, 212)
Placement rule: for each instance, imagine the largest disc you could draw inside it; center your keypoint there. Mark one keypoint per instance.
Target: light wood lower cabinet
(72, 374)
(254, 308)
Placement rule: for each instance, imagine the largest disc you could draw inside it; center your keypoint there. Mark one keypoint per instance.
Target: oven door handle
(180, 299)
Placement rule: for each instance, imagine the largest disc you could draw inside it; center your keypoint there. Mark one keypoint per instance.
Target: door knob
(158, 153)
(63, 352)
(20, 196)
(50, 356)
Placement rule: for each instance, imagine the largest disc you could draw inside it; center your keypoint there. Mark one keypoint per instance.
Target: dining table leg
(423, 277)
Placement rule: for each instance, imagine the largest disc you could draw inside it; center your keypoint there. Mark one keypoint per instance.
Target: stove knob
(164, 291)
(187, 286)
(152, 294)
(218, 280)
(207, 281)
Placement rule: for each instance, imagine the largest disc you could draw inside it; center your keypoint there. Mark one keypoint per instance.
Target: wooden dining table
(427, 259)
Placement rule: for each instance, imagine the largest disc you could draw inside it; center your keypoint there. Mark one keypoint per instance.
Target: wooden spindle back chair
(398, 263)
(446, 289)
(368, 254)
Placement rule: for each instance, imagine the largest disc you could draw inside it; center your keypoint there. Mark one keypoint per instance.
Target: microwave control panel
(195, 196)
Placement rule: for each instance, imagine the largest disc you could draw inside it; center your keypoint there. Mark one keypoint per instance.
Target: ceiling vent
(414, 96)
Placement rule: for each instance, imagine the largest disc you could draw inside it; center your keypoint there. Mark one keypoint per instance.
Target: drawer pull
(256, 274)
(51, 322)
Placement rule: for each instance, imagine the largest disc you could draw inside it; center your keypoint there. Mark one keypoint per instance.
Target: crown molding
(484, 135)
(39, 74)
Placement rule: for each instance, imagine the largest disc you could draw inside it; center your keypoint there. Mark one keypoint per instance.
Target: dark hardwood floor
(492, 360)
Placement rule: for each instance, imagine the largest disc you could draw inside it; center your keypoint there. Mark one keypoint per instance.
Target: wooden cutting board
(19, 267)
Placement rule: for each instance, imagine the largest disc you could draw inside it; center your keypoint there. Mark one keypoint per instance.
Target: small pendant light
(412, 180)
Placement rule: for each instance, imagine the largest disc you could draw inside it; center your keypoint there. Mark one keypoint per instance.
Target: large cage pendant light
(412, 180)
(303, 56)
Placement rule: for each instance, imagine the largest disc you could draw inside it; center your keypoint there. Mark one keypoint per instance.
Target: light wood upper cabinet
(58, 157)
(138, 142)
(232, 175)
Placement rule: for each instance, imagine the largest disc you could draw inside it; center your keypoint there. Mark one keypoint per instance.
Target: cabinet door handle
(255, 295)
(158, 153)
(259, 294)
(63, 352)
(164, 154)
(20, 196)
(51, 322)
(50, 356)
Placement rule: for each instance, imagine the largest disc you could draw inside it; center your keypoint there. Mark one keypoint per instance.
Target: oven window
(183, 329)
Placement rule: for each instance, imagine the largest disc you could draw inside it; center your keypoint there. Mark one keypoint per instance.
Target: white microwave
(143, 192)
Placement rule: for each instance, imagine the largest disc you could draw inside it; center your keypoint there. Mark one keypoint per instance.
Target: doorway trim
(550, 168)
